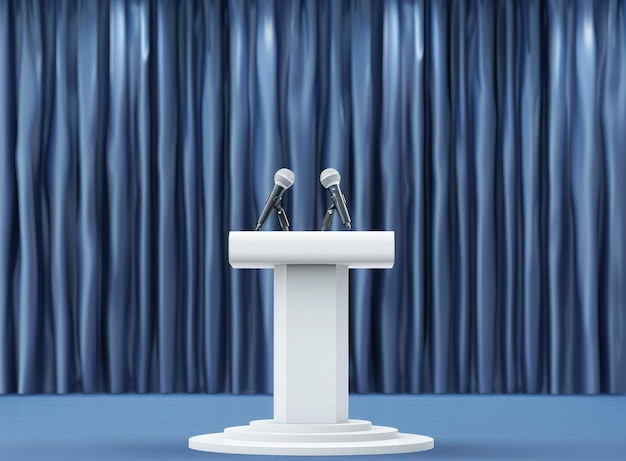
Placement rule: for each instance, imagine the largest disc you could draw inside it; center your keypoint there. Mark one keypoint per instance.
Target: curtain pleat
(29, 299)
(119, 167)
(8, 214)
(362, 210)
(90, 96)
(61, 182)
(508, 186)
(488, 135)
(612, 306)
(144, 192)
(415, 365)
(585, 177)
(440, 268)
(560, 274)
(214, 307)
(243, 206)
(461, 190)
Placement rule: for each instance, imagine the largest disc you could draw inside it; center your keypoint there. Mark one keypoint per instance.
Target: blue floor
(156, 427)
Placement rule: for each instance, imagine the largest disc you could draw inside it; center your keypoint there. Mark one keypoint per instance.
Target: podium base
(356, 437)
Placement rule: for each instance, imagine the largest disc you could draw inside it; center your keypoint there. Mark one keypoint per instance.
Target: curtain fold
(488, 135)
(8, 213)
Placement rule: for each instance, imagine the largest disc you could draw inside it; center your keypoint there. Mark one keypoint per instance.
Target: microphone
(283, 180)
(330, 180)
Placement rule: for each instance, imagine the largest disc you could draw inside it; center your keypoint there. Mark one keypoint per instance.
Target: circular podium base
(356, 437)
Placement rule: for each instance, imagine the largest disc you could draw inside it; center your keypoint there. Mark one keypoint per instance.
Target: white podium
(311, 347)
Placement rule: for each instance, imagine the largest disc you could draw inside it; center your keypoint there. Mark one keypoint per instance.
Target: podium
(311, 347)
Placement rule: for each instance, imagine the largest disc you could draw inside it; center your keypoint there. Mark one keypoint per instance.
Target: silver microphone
(283, 180)
(330, 179)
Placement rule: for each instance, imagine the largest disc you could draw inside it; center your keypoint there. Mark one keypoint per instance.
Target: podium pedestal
(311, 347)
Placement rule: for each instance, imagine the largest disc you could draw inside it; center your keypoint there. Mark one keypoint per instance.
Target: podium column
(310, 343)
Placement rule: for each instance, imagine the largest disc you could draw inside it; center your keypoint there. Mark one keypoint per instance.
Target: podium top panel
(257, 250)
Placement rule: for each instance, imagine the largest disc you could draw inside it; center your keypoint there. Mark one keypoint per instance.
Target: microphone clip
(328, 217)
(280, 214)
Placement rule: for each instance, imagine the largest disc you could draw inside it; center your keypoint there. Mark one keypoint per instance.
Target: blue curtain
(489, 135)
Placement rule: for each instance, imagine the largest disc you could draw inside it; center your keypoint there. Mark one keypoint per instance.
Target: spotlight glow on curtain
(489, 135)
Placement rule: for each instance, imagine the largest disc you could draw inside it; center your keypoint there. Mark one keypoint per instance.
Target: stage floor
(157, 427)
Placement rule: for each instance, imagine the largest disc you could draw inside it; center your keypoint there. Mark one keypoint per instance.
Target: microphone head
(284, 178)
(329, 177)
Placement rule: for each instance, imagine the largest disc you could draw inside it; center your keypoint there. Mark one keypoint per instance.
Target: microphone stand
(328, 218)
(280, 213)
